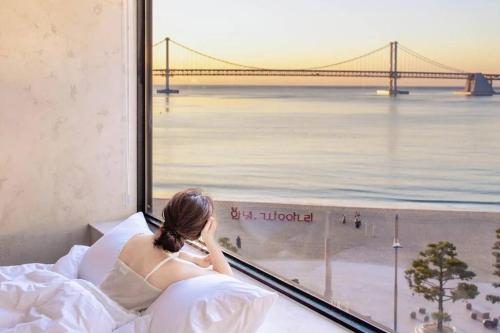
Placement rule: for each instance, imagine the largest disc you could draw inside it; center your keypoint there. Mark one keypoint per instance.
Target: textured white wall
(67, 122)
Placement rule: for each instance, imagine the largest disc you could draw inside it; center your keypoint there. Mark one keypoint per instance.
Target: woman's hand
(216, 258)
(208, 232)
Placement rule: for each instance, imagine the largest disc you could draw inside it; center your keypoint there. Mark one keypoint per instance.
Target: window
(326, 172)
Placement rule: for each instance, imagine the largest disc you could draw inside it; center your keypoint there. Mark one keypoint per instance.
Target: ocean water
(329, 145)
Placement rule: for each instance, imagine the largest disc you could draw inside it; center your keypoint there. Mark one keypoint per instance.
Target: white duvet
(48, 298)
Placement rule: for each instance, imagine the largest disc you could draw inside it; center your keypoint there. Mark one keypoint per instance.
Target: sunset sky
(304, 33)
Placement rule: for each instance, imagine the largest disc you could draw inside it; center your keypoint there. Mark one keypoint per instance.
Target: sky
(305, 33)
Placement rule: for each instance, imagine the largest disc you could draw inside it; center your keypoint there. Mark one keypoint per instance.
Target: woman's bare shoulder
(185, 267)
(176, 270)
(134, 245)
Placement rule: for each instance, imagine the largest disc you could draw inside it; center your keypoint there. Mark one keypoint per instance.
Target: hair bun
(184, 217)
(169, 240)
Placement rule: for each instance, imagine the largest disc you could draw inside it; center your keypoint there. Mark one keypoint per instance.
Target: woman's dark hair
(185, 215)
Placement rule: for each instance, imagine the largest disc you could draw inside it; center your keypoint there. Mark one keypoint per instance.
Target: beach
(361, 260)
(367, 290)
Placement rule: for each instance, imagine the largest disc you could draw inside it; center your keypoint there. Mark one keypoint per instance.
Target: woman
(148, 264)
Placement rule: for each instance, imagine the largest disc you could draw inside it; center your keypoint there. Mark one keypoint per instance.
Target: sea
(325, 145)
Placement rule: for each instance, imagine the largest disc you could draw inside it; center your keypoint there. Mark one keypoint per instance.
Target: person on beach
(343, 219)
(357, 220)
(238, 242)
(148, 264)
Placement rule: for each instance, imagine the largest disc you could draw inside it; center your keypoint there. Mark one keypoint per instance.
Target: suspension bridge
(392, 61)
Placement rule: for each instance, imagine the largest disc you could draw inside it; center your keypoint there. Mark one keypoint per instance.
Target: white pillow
(101, 256)
(211, 303)
(68, 265)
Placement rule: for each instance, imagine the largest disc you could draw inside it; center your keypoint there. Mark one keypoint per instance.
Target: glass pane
(311, 168)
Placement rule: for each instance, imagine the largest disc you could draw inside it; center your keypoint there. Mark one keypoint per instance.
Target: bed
(50, 298)
(64, 297)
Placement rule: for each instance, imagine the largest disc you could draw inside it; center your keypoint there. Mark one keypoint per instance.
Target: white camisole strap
(158, 266)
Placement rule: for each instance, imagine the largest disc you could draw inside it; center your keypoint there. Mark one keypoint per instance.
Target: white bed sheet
(35, 298)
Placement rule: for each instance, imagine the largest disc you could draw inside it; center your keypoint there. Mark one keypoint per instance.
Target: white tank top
(129, 289)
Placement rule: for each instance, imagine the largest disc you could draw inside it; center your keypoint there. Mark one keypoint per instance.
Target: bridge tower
(393, 73)
(167, 89)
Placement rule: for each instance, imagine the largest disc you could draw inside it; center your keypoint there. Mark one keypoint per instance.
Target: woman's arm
(216, 256)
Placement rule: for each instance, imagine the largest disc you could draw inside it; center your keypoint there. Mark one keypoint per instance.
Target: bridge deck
(318, 73)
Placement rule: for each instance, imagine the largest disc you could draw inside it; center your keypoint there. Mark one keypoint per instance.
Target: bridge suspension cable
(159, 42)
(232, 63)
(213, 58)
(349, 60)
(428, 60)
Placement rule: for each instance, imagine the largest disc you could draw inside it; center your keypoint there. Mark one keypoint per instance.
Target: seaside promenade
(290, 240)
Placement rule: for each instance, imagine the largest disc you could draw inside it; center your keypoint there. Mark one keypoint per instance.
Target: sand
(368, 290)
(280, 238)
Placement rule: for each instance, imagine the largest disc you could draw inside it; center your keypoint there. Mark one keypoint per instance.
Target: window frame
(349, 320)
(144, 105)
